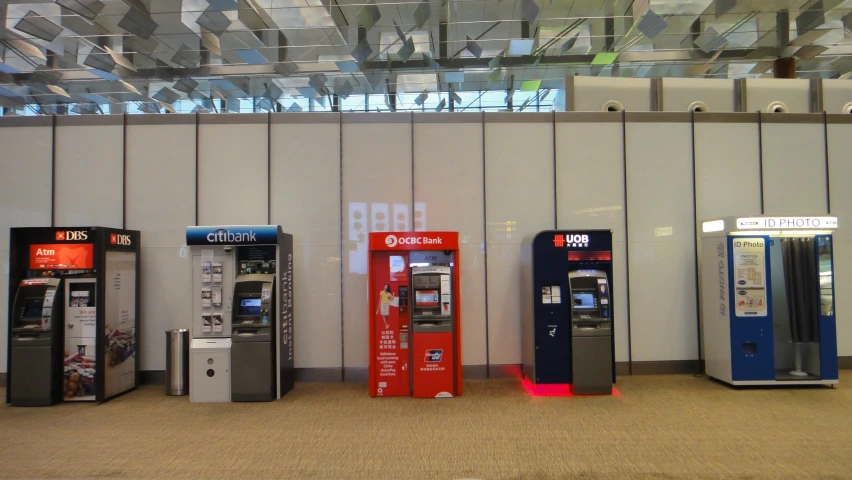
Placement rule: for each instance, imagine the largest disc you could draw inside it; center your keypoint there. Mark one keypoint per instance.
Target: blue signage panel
(232, 235)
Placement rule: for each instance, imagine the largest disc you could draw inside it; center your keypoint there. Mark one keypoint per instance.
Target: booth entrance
(415, 327)
(767, 291)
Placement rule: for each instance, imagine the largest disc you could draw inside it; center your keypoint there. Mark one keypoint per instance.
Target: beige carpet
(660, 427)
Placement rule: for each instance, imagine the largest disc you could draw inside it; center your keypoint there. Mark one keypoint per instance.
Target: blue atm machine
(767, 294)
(567, 310)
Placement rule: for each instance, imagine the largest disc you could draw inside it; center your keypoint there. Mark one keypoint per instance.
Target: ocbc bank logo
(391, 241)
(71, 235)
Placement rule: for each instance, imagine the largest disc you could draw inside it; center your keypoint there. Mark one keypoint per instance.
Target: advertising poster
(78, 382)
(217, 273)
(216, 294)
(206, 323)
(119, 323)
(749, 277)
(68, 256)
(206, 297)
(217, 323)
(80, 330)
(391, 345)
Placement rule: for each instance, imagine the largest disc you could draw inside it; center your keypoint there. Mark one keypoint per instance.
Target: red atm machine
(415, 327)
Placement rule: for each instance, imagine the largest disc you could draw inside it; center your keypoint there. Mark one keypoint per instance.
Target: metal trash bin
(177, 362)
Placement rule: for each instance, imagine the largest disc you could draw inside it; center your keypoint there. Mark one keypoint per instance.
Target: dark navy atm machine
(567, 311)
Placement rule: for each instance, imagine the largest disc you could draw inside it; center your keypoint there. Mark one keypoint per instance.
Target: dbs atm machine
(567, 311)
(415, 334)
(767, 300)
(73, 323)
(242, 313)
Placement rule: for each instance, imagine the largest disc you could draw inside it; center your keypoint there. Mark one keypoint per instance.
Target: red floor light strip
(554, 390)
(549, 390)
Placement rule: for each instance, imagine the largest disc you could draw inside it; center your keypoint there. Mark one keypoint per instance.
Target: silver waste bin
(177, 362)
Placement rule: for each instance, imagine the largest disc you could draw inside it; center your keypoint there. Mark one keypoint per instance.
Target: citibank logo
(224, 236)
(391, 241)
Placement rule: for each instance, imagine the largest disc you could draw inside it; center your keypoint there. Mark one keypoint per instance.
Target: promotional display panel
(415, 334)
(768, 300)
(242, 332)
(567, 327)
(91, 314)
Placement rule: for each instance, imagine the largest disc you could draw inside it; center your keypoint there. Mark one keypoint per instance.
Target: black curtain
(801, 282)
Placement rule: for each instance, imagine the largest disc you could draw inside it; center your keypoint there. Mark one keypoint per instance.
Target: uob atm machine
(242, 308)
(415, 336)
(767, 294)
(567, 311)
(73, 323)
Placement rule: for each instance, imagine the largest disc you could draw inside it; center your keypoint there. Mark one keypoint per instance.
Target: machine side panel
(552, 329)
(285, 305)
(527, 309)
(828, 331)
(716, 321)
(752, 340)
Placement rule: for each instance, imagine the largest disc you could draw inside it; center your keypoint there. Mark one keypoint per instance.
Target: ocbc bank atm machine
(36, 343)
(253, 340)
(432, 332)
(567, 312)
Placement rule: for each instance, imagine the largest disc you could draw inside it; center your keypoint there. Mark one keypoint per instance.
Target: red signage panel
(68, 256)
(414, 241)
(433, 365)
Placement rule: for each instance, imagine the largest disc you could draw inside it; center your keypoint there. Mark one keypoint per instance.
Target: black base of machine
(252, 367)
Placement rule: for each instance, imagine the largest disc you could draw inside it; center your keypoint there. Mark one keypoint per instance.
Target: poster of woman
(386, 298)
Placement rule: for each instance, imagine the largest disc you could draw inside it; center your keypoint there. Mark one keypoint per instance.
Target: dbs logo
(118, 239)
(71, 235)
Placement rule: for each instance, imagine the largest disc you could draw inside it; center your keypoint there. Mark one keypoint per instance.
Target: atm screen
(33, 308)
(249, 306)
(426, 298)
(584, 301)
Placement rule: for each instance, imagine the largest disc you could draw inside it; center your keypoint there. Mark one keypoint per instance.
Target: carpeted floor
(659, 427)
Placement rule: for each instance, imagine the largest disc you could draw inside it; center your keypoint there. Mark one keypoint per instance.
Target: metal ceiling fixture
(285, 55)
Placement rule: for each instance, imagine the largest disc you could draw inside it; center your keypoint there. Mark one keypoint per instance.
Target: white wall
(89, 171)
(840, 168)
(25, 193)
(233, 187)
(305, 201)
(519, 200)
(794, 165)
(376, 180)
(448, 190)
(589, 146)
(160, 194)
(663, 312)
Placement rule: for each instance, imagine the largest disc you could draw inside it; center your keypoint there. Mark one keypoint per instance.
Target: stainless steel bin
(177, 362)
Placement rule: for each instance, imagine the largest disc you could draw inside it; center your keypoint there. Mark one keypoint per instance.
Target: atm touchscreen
(33, 308)
(585, 301)
(249, 307)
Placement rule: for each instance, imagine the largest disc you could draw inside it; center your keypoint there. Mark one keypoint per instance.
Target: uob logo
(71, 235)
(391, 241)
(118, 239)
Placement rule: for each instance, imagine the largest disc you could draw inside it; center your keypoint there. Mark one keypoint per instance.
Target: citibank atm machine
(242, 328)
(415, 336)
(73, 324)
(567, 309)
(767, 294)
